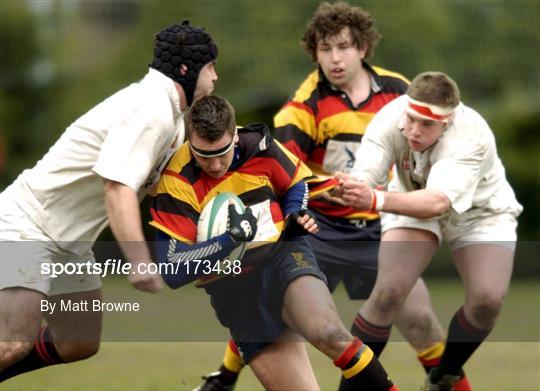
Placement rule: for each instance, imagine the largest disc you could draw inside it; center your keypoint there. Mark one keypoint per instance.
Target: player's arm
(122, 207)
(442, 192)
(294, 204)
(126, 159)
(169, 251)
(380, 145)
(424, 204)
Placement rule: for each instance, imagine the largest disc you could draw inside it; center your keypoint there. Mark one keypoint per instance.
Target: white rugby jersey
(127, 138)
(463, 164)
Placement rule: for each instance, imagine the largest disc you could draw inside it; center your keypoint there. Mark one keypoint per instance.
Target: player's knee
(486, 307)
(75, 351)
(389, 300)
(330, 336)
(11, 352)
(419, 322)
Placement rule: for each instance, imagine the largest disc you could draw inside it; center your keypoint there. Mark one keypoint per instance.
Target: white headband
(429, 111)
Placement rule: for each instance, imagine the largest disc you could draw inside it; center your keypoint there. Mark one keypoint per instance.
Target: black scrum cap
(183, 44)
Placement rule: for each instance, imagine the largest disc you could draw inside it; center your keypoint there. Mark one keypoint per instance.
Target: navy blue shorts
(250, 305)
(348, 251)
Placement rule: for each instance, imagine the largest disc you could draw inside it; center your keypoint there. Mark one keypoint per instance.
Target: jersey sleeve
(175, 209)
(295, 125)
(132, 149)
(377, 151)
(291, 169)
(458, 173)
(295, 128)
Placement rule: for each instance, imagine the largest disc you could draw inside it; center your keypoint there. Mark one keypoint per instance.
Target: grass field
(163, 358)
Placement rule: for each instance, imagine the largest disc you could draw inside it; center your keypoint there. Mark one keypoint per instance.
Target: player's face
(422, 133)
(340, 59)
(206, 80)
(215, 166)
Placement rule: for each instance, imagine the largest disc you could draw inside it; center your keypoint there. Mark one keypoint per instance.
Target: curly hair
(330, 19)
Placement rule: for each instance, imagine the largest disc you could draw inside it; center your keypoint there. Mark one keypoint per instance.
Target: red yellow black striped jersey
(322, 127)
(261, 173)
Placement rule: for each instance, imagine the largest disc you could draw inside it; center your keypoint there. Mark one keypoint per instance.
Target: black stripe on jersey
(292, 132)
(275, 152)
(392, 84)
(191, 171)
(348, 137)
(164, 202)
(317, 94)
(255, 196)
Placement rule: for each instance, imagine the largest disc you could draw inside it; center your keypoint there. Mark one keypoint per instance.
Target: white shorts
(24, 247)
(472, 227)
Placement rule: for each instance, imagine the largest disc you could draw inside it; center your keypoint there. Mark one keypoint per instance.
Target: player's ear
(183, 69)
(363, 48)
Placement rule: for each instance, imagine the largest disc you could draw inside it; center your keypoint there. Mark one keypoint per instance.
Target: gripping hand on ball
(242, 226)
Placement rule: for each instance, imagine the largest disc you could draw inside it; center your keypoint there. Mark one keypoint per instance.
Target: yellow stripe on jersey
(169, 232)
(180, 158)
(384, 72)
(307, 87)
(302, 170)
(303, 120)
(352, 122)
(317, 170)
(238, 183)
(178, 189)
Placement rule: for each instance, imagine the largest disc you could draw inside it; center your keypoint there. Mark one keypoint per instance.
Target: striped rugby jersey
(322, 127)
(263, 172)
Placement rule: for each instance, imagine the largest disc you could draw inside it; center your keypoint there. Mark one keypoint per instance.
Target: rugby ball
(214, 220)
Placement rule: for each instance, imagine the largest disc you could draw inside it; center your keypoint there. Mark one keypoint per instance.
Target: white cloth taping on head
(427, 110)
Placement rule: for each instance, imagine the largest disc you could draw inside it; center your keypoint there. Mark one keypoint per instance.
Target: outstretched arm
(424, 204)
(124, 216)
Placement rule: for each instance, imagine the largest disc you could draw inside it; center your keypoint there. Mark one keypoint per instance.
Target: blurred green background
(60, 58)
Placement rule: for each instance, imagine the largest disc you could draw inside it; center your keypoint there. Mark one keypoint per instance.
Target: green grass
(509, 361)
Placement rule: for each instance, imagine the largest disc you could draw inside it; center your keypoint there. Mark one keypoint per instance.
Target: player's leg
(276, 354)
(285, 365)
(486, 271)
(76, 334)
(68, 335)
(226, 376)
(20, 319)
(418, 323)
(308, 309)
(23, 248)
(404, 254)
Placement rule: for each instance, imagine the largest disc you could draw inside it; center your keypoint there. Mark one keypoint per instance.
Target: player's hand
(337, 191)
(306, 220)
(242, 226)
(300, 224)
(357, 194)
(142, 280)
